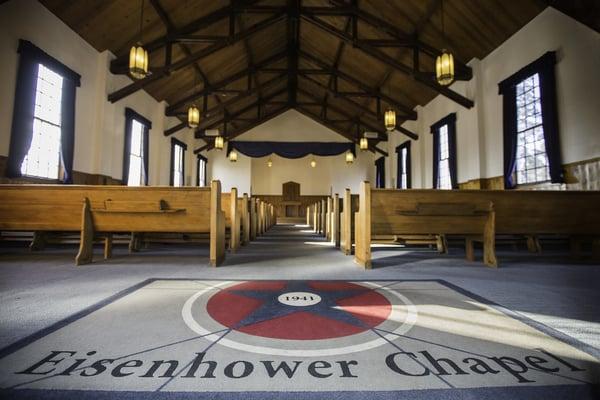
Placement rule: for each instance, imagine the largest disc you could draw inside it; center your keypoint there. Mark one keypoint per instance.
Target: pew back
(115, 208)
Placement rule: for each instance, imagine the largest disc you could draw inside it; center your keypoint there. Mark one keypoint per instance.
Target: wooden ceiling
(341, 63)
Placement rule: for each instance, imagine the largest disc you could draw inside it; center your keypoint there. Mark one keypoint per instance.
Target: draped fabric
(380, 172)
(509, 127)
(67, 134)
(131, 115)
(24, 108)
(400, 168)
(450, 121)
(545, 68)
(290, 149)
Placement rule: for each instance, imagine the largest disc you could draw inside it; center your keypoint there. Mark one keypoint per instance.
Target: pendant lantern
(364, 143)
(313, 163)
(138, 56)
(390, 120)
(193, 116)
(269, 163)
(219, 142)
(349, 157)
(233, 156)
(444, 63)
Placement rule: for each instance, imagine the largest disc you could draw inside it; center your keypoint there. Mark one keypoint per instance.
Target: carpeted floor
(552, 293)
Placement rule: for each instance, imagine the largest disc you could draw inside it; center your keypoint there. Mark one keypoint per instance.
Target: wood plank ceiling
(341, 63)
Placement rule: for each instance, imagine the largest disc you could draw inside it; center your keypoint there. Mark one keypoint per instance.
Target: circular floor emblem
(305, 311)
(299, 299)
(298, 310)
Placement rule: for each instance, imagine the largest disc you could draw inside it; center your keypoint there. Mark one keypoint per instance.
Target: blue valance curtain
(290, 149)
(24, 108)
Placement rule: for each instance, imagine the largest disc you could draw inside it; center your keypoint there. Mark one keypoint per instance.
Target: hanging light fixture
(269, 162)
(313, 163)
(349, 157)
(444, 63)
(138, 56)
(390, 120)
(364, 143)
(193, 112)
(219, 142)
(233, 156)
(193, 116)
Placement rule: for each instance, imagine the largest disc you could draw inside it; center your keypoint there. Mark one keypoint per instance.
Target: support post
(86, 240)
(217, 225)
(362, 227)
(235, 221)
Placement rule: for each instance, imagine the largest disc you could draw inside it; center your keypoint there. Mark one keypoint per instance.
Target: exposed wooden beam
(222, 106)
(171, 27)
(227, 118)
(386, 59)
(119, 64)
(342, 132)
(408, 112)
(240, 131)
(384, 26)
(224, 82)
(341, 111)
(359, 107)
(293, 38)
(238, 36)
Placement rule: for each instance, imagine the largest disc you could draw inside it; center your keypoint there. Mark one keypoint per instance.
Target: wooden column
(335, 221)
(217, 225)
(362, 227)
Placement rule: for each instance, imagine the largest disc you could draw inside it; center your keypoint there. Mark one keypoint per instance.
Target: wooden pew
(328, 213)
(349, 207)
(531, 213)
(114, 209)
(229, 204)
(422, 212)
(335, 221)
(253, 219)
(323, 217)
(244, 208)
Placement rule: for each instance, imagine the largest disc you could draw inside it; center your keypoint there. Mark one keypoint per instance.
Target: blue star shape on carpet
(272, 308)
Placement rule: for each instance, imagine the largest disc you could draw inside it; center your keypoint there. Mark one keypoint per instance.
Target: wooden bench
(349, 207)
(533, 213)
(335, 220)
(422, 212)
(229, 204)
(114, 209)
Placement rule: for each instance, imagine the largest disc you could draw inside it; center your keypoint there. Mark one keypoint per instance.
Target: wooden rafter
(424, 78)
(161, 73)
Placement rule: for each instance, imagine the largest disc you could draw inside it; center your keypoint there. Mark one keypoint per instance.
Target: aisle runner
(297, 336)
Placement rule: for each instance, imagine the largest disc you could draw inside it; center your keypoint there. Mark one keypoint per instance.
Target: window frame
(399, 168)
(200, 158)
(21, 133)
(176, 142)
(130, 116)
(544, 66)
(59, 168)
(448, 121)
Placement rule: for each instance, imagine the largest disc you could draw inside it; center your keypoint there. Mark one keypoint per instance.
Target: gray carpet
(40, 289)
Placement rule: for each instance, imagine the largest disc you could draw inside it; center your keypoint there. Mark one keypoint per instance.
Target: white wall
(99, 125)
(479, 129)
(330, 174)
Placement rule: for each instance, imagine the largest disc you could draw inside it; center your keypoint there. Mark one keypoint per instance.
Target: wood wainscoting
(79, 178)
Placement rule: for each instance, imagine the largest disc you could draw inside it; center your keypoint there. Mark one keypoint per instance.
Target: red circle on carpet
(232, 305)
